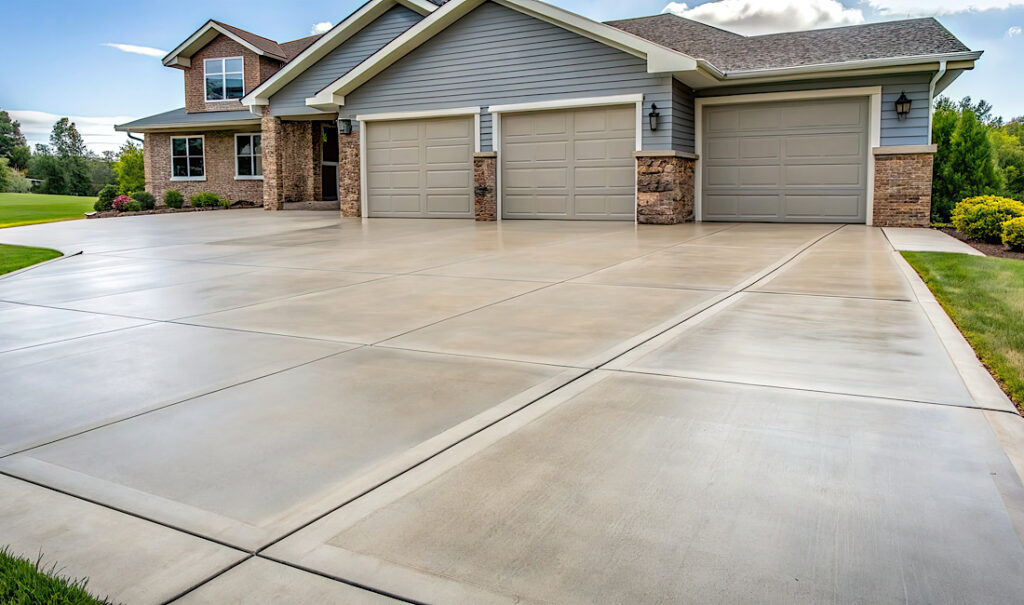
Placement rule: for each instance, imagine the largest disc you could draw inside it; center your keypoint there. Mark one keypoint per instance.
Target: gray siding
(911, 131)
(495, 55)
(291, 100)
(682, 109)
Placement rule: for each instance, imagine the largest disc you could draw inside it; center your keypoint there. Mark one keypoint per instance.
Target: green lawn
(13, 258)
(985, 297)
(25, 582)
(31, 208)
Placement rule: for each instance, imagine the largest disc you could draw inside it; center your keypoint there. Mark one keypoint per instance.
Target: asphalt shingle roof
(732, 52)
(178, 116)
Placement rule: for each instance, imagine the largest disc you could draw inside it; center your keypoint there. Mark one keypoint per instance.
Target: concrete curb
(63, 256)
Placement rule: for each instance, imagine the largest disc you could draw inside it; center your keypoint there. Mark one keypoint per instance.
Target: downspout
(135, 138)
(931, 96)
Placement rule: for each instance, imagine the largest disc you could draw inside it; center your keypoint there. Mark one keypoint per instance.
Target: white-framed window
(188, 159)
(248, 156)
(224, 79)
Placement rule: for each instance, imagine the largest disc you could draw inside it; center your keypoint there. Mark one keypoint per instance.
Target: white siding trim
(568, 103)
(476, 132)
(364, 206)
(496, 147)
(414, 115)
(874, 94)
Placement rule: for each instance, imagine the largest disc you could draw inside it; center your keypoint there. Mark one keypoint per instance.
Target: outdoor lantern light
(902, 106)
(653, 116)
(344, 126)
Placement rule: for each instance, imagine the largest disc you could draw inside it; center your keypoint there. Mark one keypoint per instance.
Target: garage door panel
(795, 160)
(420, 167)
(602, 178)
(601, 205)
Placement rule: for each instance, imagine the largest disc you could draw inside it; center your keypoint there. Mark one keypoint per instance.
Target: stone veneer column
(664, 187)
(349, 174)
(903, 186)
(273, 165)
(149, 169)
(485, 185)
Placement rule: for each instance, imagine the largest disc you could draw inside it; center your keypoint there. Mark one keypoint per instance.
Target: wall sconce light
(344, 126)
(653, 117)
(902, 106)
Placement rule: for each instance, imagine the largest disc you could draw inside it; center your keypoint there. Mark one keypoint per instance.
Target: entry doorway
(329, 162)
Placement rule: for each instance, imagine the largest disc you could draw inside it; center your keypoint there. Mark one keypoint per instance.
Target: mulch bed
(166, 210)
(998, 250)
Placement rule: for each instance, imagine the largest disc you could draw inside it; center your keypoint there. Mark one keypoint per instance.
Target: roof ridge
(244, 31)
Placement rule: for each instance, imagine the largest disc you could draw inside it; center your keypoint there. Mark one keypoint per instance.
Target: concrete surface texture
(244, 407)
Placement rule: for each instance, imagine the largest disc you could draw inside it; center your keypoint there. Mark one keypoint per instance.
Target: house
(517, 109)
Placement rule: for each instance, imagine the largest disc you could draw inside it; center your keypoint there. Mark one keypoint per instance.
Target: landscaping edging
(167, 210)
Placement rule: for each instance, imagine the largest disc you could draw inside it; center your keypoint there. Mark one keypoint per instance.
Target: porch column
(485, 185)
(664, 187)
(903, 186)
(273, 167)
(349, 173)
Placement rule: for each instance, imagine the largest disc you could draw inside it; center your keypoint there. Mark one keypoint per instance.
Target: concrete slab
(247, 464)
(26, 325)
(370, 312)
(864, 274)
(124, 558)
(927, 240)
(764, 236)
(579, 325)
(54, 390)
(262, 582)
(843, 345)
(628, 488)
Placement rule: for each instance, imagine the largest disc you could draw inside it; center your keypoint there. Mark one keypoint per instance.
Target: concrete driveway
(246, 407)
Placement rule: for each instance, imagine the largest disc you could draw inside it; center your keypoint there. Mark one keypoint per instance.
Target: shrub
(121, 203)
(106, 198)
(206, 200)
(146, 200)
(982, 217)
(174, 199)
(1013, 233)
(19, 184)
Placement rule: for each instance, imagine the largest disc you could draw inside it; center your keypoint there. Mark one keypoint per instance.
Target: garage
(569, 164)
(420, 168)
(795, 161)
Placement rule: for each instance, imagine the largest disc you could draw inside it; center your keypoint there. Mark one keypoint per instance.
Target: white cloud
(319, 28)
(97, 132)
(768, 16)
(917, 8)
(138, 50)
(1013, 31)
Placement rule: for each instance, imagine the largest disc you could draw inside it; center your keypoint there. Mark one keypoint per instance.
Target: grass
(13, 258)
(31, 208)
(985, 297)
(23, 582)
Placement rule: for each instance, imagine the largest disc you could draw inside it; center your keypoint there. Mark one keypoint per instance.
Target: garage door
(794, 161)
(569, 164)
(420, 168)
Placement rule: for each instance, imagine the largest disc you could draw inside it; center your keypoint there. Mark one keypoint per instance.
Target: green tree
(66, 140)
(944, 120)
(5, 175)
(1008, 154)
(964, 164)
(130, 169)
(20, 156)
(10, 135)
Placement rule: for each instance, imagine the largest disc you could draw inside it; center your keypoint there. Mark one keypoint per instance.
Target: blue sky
(55, 59)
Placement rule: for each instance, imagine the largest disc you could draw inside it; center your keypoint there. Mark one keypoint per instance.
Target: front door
(329, 163)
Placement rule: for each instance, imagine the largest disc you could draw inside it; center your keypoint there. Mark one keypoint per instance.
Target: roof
(178, 118)
(730, 52)
(265, 44)
(293, 48)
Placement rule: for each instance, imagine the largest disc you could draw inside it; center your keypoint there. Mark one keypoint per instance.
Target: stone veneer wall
(664, 187)
(903, 187)
(219, 161)
(349, 189)
(485, 186)
(255, 69)
(290, 152)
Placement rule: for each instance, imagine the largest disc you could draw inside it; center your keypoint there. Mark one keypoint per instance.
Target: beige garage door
(420, 168)
(569, 164)
(803, 161)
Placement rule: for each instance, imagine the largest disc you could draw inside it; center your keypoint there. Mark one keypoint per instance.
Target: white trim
(496, 148)
(364, 205)
(659, 58)
(873, 93)
(416, 115)
(931, 96)
(235, 156)
(200, 125)
(567, 103)
(170, 149)
(841, 65)
(224, 78)
(476, 132)
(334, 38)
(201, 37)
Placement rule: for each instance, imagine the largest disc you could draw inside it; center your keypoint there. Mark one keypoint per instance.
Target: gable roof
(295, 47)
(731, 52)
(182, 55)
(179, 119)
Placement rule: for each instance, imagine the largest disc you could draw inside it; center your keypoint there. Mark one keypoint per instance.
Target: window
(223, 78)
(248, 156)
(187, 159)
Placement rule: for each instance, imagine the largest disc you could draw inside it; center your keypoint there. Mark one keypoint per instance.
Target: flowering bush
(120, 202)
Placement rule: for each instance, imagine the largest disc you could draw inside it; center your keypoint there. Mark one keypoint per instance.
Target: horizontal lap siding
(495, 55)
(682, 109)
(291, 100)
(911, 131)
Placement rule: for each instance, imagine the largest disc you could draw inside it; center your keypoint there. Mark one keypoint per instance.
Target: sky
(99, 62)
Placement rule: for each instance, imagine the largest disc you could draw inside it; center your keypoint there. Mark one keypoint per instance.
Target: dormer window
(223, 79)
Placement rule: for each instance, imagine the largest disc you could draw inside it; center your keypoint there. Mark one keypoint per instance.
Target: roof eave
(181, 55)
(782, 72)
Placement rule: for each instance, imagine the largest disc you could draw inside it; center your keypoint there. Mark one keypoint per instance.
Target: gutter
(941, 58)
(931, 96)
(135, 138)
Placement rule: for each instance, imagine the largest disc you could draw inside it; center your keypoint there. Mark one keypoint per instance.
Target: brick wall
(665, 188)
(485, 186)
(349, 191)
(903, 189)
(291, 154)
(255, 70)
(219, 160)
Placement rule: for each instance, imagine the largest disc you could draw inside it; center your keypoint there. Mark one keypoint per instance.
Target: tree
(944, 121)
(972, 170)
(5, 175)
(66, 140)
(1008, 154)
(20, 156)
(10, 135)
(130, 169)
